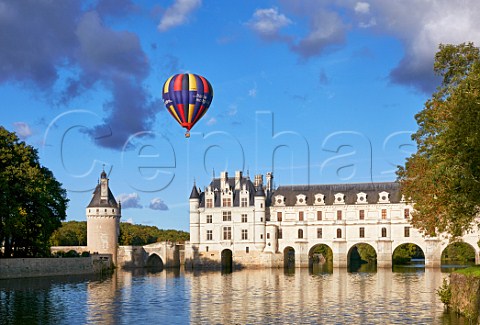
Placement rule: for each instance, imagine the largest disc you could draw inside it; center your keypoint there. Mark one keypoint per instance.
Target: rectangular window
(209, 218)
(279, 216)
(319, 233)
(243, 202)
(209, 235)
(209, 203)
(227, 215)
(319, 215)
(300, 216)
(244, 234)
(406, 231)
(247, 250)
(362, 232)
(406, 213)
(384, 214)
(268, 235)
(227, 233)
(280, 233)
(361, 214)
(339, 215)
(244, 218)
(227, 202)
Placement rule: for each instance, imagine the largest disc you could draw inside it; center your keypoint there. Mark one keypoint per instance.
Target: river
(268, 296)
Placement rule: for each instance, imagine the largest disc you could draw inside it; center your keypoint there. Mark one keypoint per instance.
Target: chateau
(235, 221)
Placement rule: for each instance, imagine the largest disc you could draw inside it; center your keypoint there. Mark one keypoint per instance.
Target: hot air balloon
(187, 97)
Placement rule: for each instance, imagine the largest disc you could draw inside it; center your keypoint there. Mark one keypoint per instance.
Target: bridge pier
(384, 253)
(339, 249)
(433, 252)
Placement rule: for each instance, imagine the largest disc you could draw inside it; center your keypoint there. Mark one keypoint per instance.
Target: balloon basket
(187, 135)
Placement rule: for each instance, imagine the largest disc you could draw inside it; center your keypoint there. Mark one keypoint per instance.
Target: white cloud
(362, 8)
(22, 129)
(131, 200)
(267, 22)
(130, 221)
(372, 22)
(422, 25)
(158, 204)
(212, 121)
(178, 14)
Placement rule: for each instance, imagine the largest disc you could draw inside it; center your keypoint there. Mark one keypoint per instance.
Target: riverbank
(465, 292)
(11, 268)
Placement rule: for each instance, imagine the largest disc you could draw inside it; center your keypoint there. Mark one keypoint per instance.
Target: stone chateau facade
(250, 224)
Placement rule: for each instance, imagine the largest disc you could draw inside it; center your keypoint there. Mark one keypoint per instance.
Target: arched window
(384, 232)
(339, 233)
(300, 233)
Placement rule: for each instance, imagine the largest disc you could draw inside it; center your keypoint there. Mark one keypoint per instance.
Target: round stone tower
(103, 220)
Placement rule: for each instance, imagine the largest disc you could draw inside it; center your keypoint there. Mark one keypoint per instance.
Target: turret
(103, 220)
(194, 216)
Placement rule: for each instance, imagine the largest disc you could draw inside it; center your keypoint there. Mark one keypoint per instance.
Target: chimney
(258, 180)
(224, 180)
(269, 181)
(238, 179)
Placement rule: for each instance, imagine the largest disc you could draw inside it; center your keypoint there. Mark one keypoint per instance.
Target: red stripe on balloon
(180, 110)
(177, 84)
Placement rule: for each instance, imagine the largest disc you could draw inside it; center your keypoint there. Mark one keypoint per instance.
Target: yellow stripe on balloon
(172, 110)
(191, 108)
(192, 82)
(165, 86)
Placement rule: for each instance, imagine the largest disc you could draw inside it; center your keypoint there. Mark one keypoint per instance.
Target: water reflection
(319, 295)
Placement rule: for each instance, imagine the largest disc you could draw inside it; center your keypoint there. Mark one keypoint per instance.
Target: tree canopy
(32, 202)
(74, 233)
(442, 178)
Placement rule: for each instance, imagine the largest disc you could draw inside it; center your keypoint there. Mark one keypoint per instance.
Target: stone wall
(34, 267)
(465, 298)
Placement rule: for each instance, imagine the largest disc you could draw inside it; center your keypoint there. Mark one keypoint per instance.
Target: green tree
(71, 233)
(32, 201)
(443, 177)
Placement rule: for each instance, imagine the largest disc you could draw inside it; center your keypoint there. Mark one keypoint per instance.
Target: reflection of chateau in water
(266, 296)
(274, 297)
(251, 224)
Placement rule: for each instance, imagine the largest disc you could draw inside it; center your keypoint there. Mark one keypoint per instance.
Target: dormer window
(361, 198)
(319, 199)
(383, 197)
(301, 199)
(279, 200)
(339, 198)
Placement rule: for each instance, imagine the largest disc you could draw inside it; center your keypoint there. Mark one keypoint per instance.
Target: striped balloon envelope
(187, 97)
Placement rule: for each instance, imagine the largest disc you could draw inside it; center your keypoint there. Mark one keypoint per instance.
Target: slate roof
(329, 190)
(98, 202)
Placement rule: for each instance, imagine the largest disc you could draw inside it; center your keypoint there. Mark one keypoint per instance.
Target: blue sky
(315, 91)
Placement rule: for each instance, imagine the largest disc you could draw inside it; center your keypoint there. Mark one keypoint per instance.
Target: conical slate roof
(194, 194)
(98, 202)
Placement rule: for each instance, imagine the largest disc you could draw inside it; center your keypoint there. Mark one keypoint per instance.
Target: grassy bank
(470, 271)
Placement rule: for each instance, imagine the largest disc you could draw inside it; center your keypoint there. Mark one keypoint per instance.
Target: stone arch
(458, 252)
(155, 262)
(361, 254)
(227, 260)
(289, 257)
(408, 252)
(320, 258)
